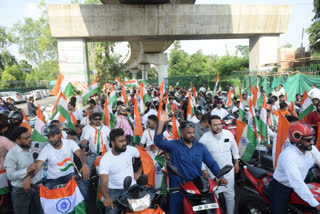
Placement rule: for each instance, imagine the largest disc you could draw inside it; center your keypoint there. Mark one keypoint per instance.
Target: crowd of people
(202, 148)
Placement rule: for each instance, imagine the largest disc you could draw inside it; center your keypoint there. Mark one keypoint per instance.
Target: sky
(11, 11)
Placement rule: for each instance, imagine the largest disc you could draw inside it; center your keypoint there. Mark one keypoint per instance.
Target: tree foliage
(314, 29)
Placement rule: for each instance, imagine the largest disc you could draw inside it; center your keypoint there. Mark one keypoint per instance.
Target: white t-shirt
(315, 92)
(90, 136)
(118, 167)
(85, 121)
(220, 112)
(77, 114)
(147, 138)
(60, 161)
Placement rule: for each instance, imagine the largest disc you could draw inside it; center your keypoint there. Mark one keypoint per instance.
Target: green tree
(178, 60)
(243, 50)
(34, 39)
(197, 64)
(6, 59)
(314, 29)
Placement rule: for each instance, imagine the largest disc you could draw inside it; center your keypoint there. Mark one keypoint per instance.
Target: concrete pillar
(144, 67)
(263, 52)
(134, 72)
(162, 73)
(72, 59)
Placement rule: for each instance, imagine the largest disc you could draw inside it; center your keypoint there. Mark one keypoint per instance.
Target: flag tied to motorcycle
(67, 199)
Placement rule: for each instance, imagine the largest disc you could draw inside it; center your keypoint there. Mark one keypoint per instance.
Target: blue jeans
(26, 202)
(114, 193)
(279, 197)
(90, 161)
(176, 203)
(83, 185)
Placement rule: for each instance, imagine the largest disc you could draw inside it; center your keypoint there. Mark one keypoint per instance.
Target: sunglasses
(309, 140)
(97, 119)
(187, 125)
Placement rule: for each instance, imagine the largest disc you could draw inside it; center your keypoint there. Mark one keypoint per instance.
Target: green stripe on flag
(251, 147)
(306, 111)
(36, 136)
(4, 190)
(79, 209)
(67, 167)
(136, 139)
(68, 90)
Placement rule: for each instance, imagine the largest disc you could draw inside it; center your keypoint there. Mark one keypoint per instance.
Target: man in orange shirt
(283, 110)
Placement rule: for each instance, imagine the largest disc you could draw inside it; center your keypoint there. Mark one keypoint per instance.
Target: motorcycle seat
(258, 173)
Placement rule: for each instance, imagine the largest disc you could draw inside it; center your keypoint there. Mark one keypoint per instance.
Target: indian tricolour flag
(4, 188)
(131, 83)
(40, 124)
(112, 99)
(306, 106)
(263, 120)
(216, 86)
(144, 94)
(61, 109)
(92, 89)
(138, 130)
(246, 140)
(190, 110)
(175, 128)
(242, 114)
(62, 85)
(67, 199)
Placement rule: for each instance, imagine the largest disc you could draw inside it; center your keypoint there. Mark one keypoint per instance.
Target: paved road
(46, 102)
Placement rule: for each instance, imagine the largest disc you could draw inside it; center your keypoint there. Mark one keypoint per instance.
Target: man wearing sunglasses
(292, 168)
(187, 155)
(18, 164)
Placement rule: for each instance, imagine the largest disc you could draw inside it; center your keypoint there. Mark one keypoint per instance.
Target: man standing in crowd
(147, 139)
(122, 120)
(76, 113)
(282, 91)
(219, 111)
(18, 164)
(96, 108)
(201, 127)
(32, 109)
(187, 155)
(223, 147)
(114, 167)
(314, 92)
(276, 92)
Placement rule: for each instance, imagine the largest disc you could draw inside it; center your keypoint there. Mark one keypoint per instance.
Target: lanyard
(98, 135)
(150, 134)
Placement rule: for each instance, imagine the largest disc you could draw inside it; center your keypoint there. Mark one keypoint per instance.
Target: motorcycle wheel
(252, 204)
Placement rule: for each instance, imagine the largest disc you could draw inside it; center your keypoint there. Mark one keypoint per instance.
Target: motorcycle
(229, 123)
(139, 198)
(257, 199)
(199, 193)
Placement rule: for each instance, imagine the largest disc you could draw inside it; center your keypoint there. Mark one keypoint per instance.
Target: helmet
(51, 129)
(122, 110)
(298, 130)
(16, 115)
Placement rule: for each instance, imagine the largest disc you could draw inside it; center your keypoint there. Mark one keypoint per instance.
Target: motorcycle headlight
(140, 204)
(190, 191)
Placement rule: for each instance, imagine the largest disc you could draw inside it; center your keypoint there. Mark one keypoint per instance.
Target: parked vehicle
(36, 94)
(27, 95)
(199, 193)
(16, 97)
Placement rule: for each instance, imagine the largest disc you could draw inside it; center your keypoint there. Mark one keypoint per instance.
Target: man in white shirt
(151, 111)
(85, 121)
(148, 134)
(292, 168)
(276, 92)
(96, 137)
(282, 91)
(222, 146)
(114, 167)
(76, 113)
(219, 111)
(314, 92)
(59, 155)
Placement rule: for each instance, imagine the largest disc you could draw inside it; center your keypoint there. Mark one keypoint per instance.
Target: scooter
(229, 123)
(258, 199)
(200, 197)
(138, 198)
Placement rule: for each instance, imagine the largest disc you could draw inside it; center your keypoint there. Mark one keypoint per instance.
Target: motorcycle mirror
(143, 180)
(127, 182)
(224, 170)
(173, 170)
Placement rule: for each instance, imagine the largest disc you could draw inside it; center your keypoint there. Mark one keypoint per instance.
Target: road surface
(46, 102)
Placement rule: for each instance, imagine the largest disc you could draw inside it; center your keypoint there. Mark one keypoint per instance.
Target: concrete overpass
(150, 29)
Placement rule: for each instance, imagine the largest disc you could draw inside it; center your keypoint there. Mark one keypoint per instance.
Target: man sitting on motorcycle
(187, 155)
(59, 154)
(292, 168)
(114, 167)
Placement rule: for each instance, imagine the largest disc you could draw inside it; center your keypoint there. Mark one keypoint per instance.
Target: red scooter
(200, 197)
(260, 178)
(229, 123)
